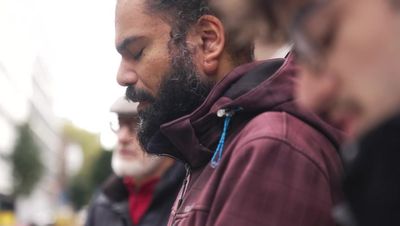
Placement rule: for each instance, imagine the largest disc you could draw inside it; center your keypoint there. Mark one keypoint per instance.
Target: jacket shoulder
(269, 171)
(284, 127)
(297, 136)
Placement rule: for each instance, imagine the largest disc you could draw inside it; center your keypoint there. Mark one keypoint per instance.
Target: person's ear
(211, 42)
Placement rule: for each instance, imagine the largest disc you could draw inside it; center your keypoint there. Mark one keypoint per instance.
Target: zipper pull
(227, 113)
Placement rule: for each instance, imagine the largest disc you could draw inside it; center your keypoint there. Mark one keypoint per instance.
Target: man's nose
(124, 135)
(126, 74)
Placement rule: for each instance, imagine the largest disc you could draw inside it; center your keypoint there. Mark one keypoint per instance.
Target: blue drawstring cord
(218, 151)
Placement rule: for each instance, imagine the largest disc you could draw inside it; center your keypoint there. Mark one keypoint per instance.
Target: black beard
(181, 92)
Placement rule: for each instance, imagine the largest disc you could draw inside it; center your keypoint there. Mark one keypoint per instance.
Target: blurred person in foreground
(267, 21)
(347, 65)
(253, 157)
(143, 188)
(348, 52)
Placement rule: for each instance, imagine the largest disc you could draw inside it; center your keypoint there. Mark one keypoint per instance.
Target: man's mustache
(138, 95)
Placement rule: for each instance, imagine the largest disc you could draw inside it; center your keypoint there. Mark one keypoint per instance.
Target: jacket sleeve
(100, 212)
(276, 185)
(372, 184)
(89, 221)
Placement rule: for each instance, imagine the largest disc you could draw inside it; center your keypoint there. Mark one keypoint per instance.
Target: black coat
(372, 181)
(110, 207)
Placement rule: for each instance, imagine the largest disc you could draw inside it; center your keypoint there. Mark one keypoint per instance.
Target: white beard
(136, 168)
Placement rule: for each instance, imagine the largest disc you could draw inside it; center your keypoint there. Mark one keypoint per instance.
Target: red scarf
(139, 198)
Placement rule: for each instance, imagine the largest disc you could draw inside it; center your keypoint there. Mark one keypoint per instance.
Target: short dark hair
(276, 13)
(396, 4)
(182, 14)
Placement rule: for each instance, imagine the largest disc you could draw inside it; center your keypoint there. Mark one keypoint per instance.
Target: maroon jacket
(279, 166)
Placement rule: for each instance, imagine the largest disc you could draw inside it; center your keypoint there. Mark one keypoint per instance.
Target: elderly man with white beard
(143, 188)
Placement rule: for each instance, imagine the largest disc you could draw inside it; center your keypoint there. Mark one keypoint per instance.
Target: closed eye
(138, 54)
(132, 47)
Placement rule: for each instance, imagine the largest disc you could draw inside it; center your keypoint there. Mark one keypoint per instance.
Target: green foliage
(96, 167)
(79, 192)
(26, 162)
(82, 187)
(89, 142)
(102, 169)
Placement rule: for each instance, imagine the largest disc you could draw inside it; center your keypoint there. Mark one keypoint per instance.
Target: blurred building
(26, 96)
(46, 129)
(7, 131)
(34, 107)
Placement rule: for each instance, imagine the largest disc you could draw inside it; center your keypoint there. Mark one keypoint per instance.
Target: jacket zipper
(185, 185)
(184, 188)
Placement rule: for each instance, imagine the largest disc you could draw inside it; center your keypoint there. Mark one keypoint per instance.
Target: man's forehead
(126, 9)
(130, 3)
(133, 20)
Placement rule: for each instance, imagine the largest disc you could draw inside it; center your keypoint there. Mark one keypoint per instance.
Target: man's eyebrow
(126, 42)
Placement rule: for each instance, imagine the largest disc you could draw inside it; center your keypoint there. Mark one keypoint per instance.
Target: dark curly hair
(182, 14)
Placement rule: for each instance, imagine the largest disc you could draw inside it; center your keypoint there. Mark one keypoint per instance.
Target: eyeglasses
(130, 123)
(313, 32)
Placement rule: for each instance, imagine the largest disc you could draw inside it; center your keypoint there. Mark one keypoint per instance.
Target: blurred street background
(57, 81)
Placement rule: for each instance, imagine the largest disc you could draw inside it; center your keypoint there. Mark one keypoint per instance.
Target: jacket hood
(253, 88)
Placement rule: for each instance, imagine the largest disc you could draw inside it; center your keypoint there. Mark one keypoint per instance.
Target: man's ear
(211, 35)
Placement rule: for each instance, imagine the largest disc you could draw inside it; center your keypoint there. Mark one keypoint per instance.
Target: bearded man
(253, 157)
(143, 188)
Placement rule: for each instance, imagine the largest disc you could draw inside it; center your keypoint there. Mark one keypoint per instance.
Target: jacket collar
(251, 86)
(255, 87)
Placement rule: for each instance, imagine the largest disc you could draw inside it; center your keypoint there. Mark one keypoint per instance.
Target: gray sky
(75, 39)
(82, 58)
